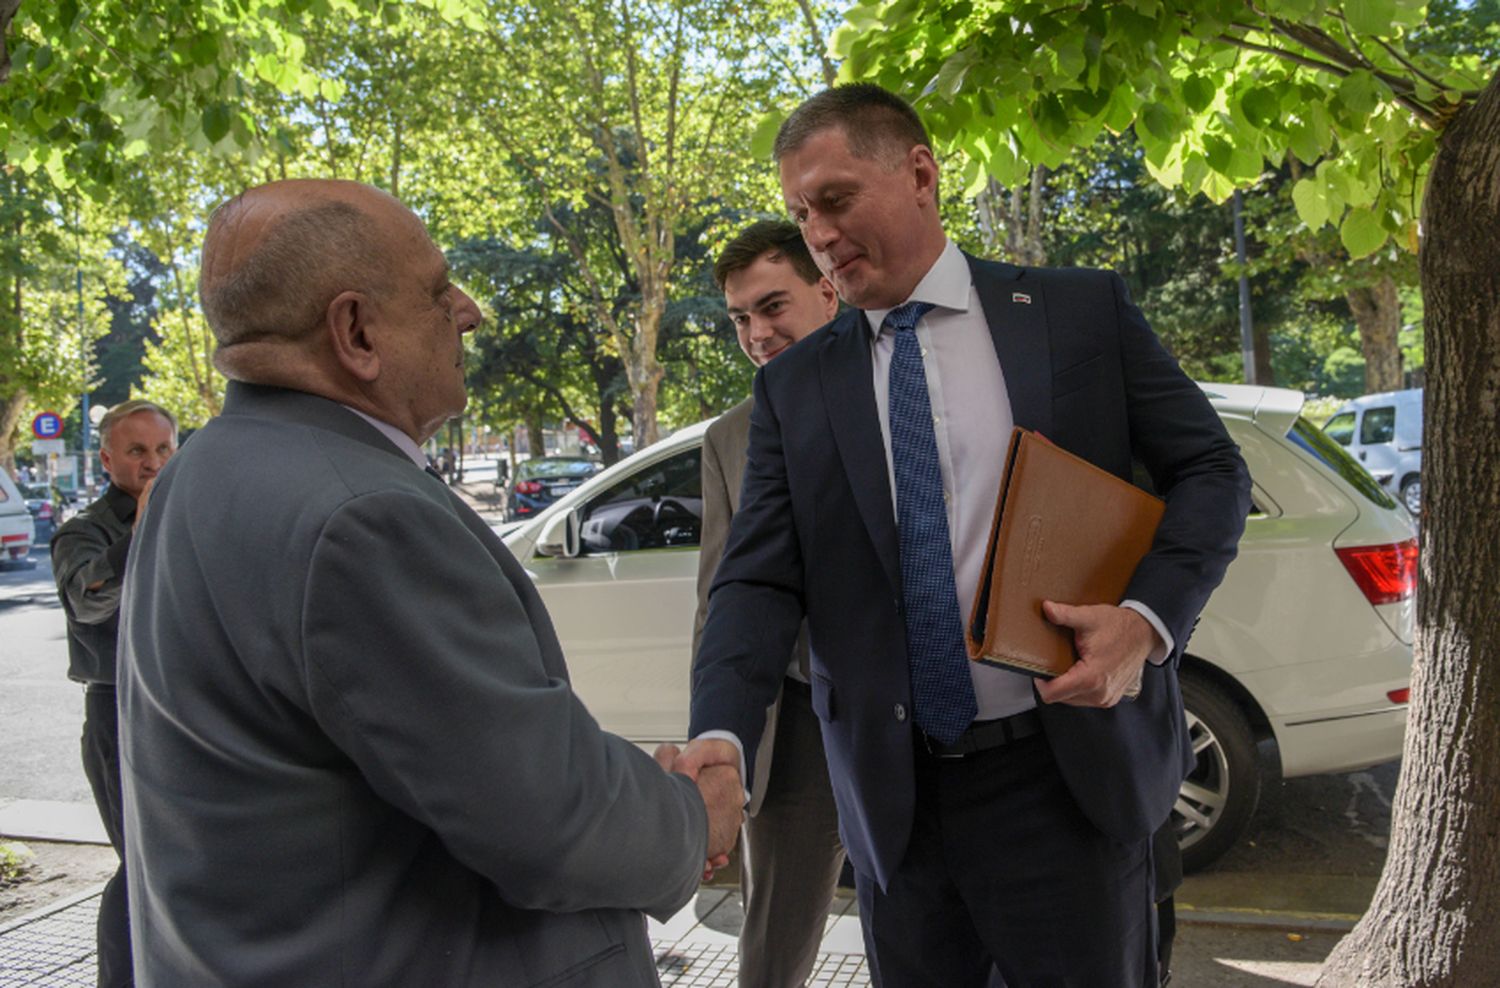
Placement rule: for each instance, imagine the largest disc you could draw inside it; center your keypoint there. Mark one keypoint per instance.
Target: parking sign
(47, 425)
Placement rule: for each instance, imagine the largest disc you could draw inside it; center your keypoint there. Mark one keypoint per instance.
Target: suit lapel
(849, 395)
(1016, 311)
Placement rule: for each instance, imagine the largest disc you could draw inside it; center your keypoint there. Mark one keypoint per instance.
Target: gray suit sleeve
(423, 665)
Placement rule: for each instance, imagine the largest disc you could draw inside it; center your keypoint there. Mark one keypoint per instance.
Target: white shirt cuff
(1163, 649)
(729, 736)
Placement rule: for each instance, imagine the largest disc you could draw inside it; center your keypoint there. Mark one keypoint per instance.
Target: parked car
(16, 525)
(1300, 663)
(543, 479)
(1384, 432)
(47, 505)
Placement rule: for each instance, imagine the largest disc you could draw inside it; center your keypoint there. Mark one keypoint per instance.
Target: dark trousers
(1004, 870)
(101, 763)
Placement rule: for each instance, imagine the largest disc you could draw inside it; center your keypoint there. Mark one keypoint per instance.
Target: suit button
(900, 714)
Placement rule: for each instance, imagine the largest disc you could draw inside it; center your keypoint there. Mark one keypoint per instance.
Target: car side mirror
(559, 536)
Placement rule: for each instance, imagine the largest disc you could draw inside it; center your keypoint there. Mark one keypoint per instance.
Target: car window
(1340, 428)
(656, 507)
(550, 467)
(1337, 459)
(1379, 425)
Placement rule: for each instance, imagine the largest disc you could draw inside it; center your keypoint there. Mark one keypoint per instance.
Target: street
(41, 710)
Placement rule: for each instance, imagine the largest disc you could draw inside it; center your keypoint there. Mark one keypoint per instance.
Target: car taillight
(1403, 695)
(1385, 573)
(528, 487)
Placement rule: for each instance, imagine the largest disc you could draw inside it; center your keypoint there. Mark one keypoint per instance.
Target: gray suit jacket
(351, 753)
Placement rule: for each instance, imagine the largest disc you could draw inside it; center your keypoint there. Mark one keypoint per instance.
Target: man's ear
(830, 297)
(924, 172)
(349, 325)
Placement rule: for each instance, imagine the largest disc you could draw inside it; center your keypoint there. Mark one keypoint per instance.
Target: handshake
(715, 765)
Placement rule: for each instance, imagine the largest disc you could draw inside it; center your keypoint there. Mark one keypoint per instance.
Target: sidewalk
(54, 948)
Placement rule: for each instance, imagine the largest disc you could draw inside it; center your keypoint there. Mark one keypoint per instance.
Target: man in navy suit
(990, 818)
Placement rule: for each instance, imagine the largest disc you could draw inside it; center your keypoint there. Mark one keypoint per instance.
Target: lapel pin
(1021, 297)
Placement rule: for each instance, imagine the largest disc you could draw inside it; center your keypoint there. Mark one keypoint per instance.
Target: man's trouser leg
(101, 763)
(791, 854)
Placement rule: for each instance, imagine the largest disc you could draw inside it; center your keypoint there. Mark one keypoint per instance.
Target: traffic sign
(47, 425)
(47, 447)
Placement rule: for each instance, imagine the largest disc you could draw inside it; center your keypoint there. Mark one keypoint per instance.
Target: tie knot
(905, 316)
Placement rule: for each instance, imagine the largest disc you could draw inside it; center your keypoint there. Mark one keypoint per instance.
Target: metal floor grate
(690, 965)
(55, 949)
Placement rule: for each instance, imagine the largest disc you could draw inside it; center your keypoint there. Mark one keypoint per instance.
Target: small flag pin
(1021, 297)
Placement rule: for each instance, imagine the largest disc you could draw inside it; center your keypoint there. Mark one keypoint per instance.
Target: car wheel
(1411, 494)
(1221, 791)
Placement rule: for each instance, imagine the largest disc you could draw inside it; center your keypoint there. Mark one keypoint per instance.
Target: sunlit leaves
(1215, 90)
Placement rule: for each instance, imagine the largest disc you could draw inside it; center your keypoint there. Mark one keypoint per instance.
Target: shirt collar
(121, 503)
(401, 440)
(946, 285)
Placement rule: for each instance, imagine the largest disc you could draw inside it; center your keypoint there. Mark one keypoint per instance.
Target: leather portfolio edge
(979, 639)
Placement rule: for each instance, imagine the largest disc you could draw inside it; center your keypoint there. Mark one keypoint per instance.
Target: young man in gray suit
(791, 855)
(352, 755)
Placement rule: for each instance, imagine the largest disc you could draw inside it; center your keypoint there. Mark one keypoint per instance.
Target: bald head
(276, 255)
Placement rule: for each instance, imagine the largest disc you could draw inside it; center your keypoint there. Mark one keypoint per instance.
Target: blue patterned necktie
(942, 692)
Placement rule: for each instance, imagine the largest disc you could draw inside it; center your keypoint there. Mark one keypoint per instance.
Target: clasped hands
(714, 764)
(1112, 643)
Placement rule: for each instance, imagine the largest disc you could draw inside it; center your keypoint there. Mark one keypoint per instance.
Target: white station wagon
(1307, 644)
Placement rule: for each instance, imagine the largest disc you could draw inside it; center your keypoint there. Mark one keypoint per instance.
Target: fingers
(724, 798)
(666, 755)
(705, 752)
(1111, 649)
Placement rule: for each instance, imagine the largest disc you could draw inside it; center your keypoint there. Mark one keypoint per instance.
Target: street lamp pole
(83, 355)
(1247, 336)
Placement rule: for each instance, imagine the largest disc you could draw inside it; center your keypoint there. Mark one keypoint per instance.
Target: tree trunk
(1437, 909)
(609, 433)
(1377, 312)
(536, 438)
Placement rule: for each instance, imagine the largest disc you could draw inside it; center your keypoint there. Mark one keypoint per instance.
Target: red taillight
(1403, 695)
(1385, 573)
(528, 487)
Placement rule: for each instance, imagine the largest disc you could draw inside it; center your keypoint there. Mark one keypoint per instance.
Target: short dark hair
(876, 122)
(777, 238)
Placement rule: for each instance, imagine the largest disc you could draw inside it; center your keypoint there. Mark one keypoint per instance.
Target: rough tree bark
(1434, 918)
(1377, 313)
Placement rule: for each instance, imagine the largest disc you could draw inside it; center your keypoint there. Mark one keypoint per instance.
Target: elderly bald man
(352, 756)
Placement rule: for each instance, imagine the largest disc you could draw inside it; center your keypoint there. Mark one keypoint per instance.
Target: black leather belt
(983, 735)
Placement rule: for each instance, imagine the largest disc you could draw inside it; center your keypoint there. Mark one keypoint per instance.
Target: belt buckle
(950, 755)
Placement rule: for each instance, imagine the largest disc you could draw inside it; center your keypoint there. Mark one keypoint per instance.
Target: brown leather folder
(1064, 531)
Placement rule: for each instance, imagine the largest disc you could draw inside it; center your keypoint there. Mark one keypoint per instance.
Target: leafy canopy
(1215, 89)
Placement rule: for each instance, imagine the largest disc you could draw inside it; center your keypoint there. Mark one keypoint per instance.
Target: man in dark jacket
(88, 560)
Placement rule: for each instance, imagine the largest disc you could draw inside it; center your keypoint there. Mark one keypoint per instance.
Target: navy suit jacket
(816, 536)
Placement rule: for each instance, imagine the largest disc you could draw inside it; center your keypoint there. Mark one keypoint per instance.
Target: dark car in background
(46, 504)
(543, 479)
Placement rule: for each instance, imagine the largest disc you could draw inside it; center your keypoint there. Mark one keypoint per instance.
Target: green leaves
(1373, 17)
(216, 121)
(1362, 233)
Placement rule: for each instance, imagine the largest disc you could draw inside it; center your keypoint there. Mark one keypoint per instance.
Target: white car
(1384, 432)
(16, 525)
(1307, 644)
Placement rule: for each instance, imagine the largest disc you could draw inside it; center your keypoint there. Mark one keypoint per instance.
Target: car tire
(1411, 493)
(1221, 791)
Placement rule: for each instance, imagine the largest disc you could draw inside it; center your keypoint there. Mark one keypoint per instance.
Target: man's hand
(141, 500)
(725, 800)
(1112, 645)
(703, 753)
